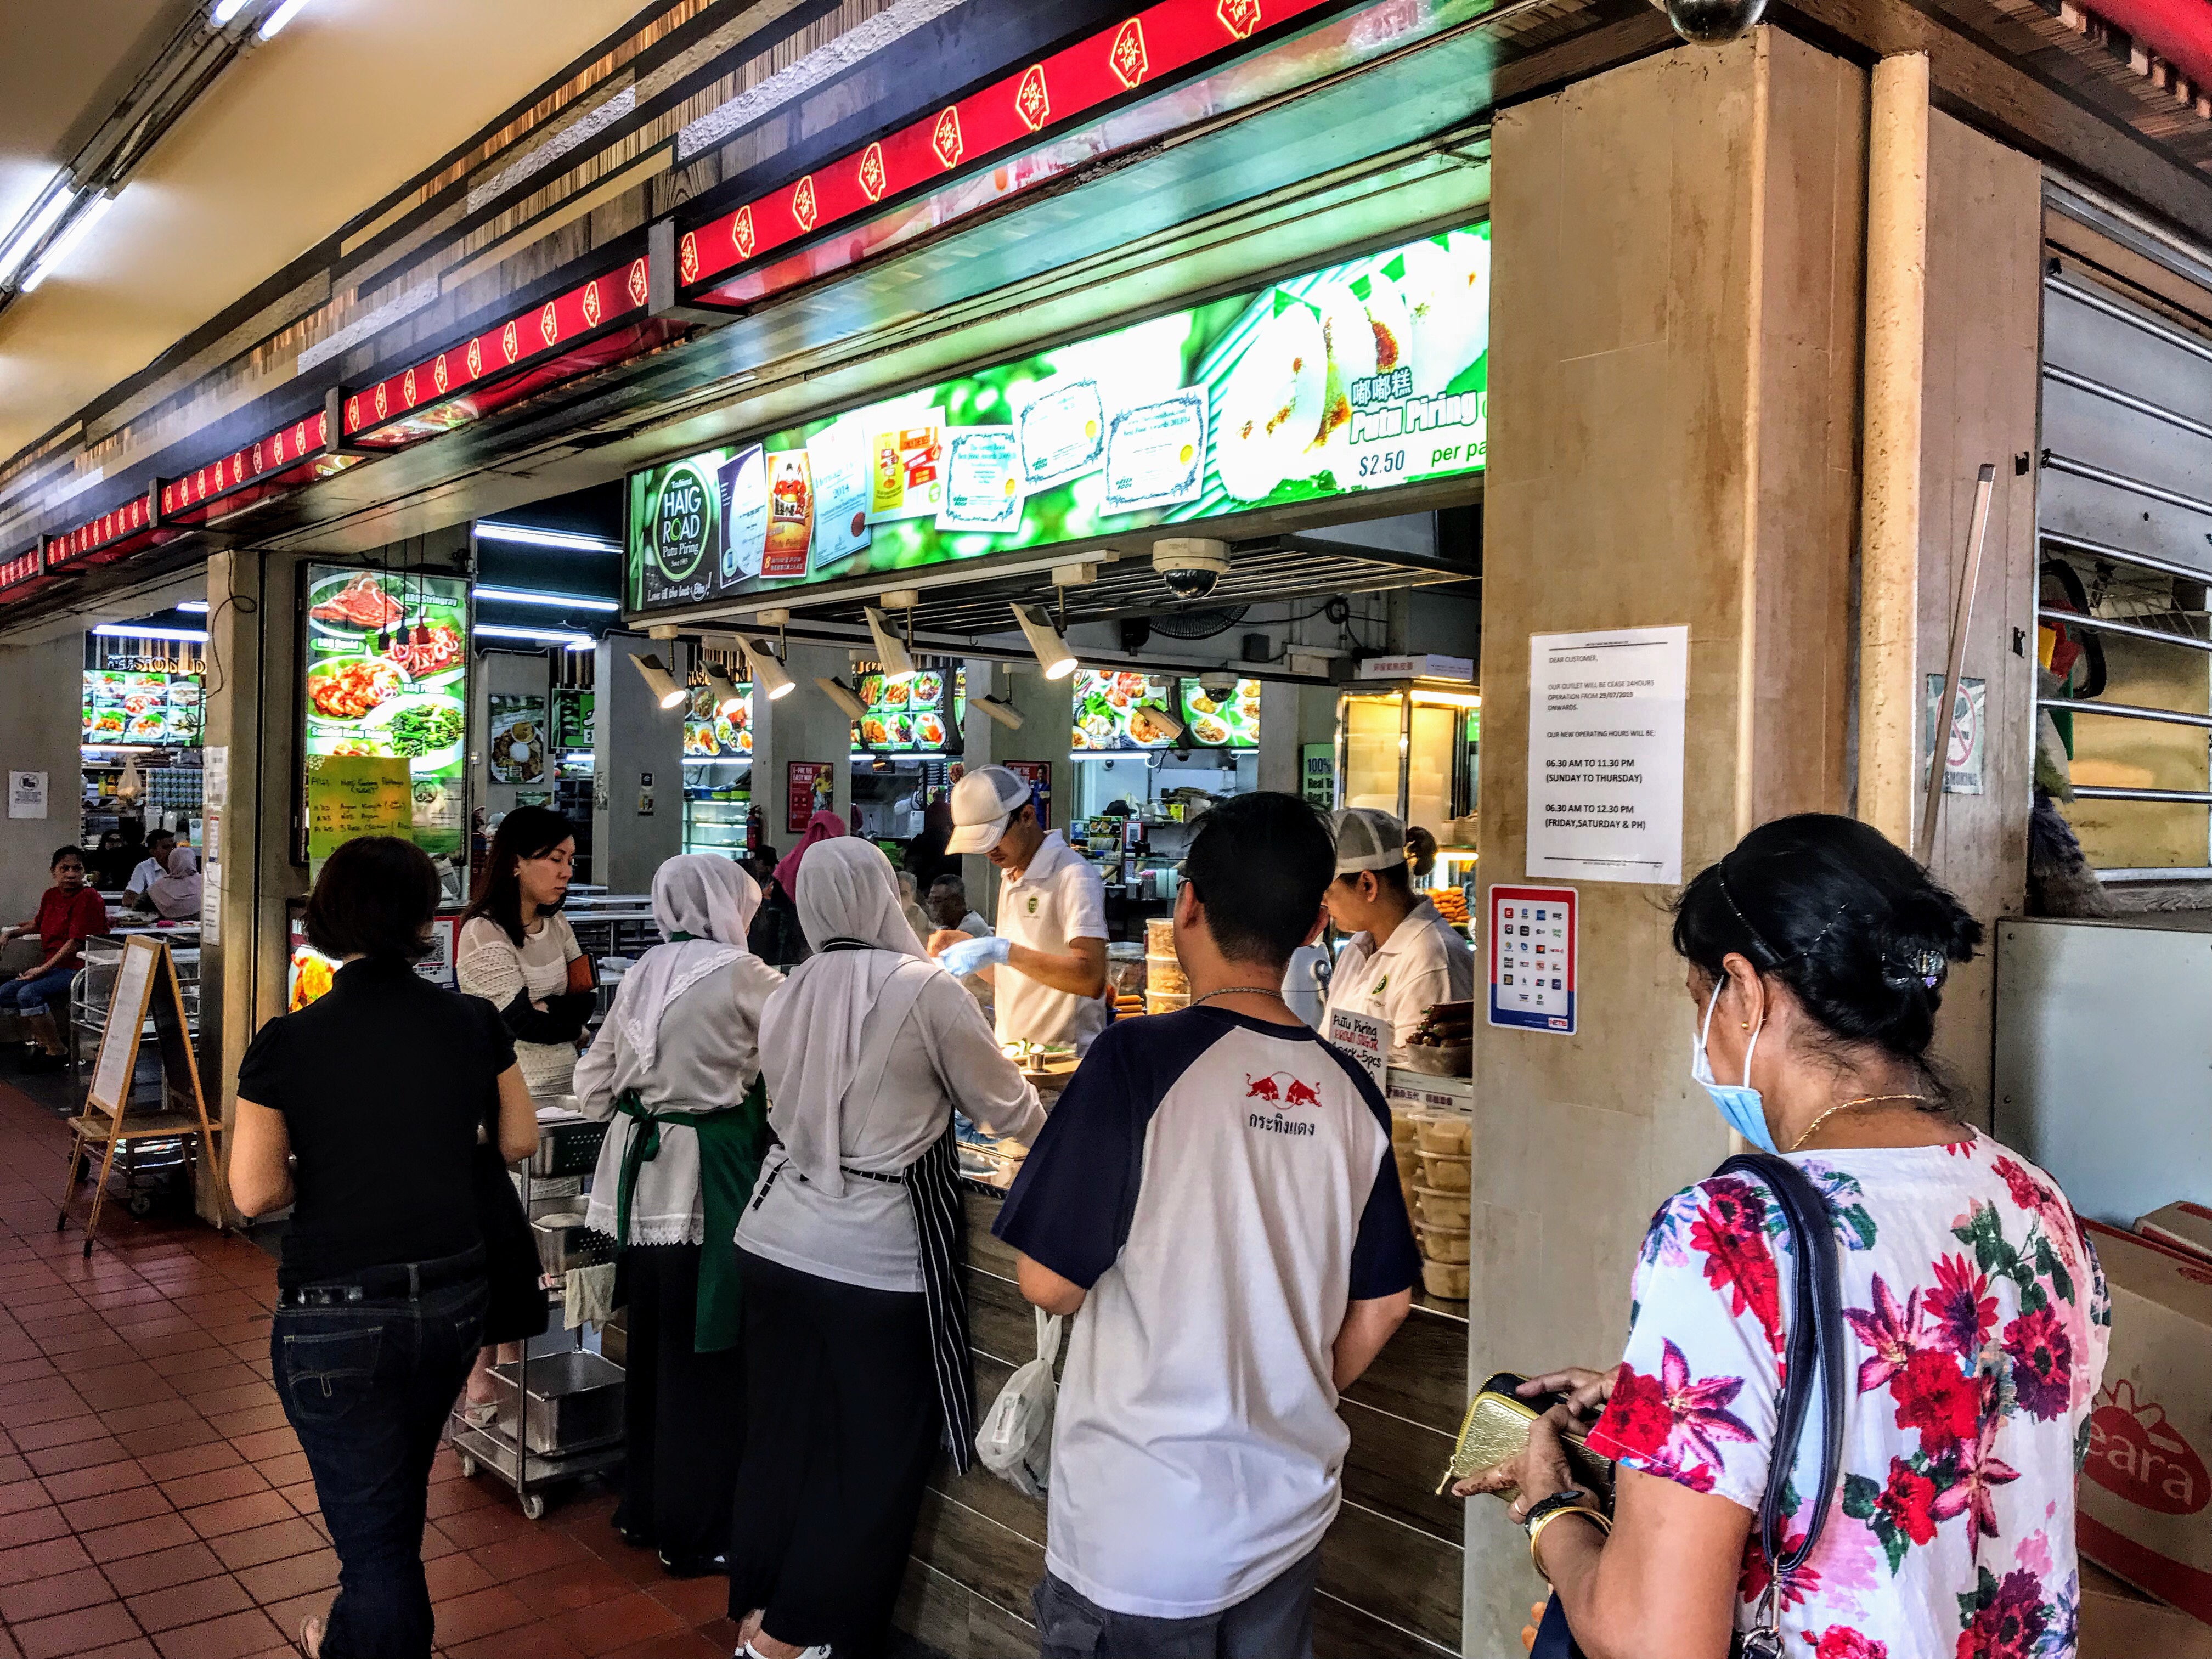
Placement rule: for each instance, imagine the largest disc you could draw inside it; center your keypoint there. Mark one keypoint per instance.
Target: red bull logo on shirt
(1279, 1087)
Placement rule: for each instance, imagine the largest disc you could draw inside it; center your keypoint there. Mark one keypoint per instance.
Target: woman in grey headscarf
(855, 1327)
(677, 1067)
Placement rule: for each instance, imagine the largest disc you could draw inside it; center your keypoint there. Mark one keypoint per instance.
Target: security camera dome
(1711, 22)
(1190, 565)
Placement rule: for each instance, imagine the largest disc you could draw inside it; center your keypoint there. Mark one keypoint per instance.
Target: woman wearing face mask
(1976, 1314)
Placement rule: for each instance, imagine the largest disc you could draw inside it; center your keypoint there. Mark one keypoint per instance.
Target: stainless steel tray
(575, 1401)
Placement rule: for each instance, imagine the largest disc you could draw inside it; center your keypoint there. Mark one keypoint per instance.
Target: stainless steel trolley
(560, 1416)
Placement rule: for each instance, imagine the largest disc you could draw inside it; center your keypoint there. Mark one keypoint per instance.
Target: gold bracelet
(1536, 1532)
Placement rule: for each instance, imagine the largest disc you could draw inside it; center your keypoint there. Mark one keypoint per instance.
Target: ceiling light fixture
(1160, 719)
(897, 664)
(727, 698)
(224, 11)
(18, 247)
(273, 25)
(768, 671)
(657, 678)
(561, 636)
(197, 607)
(1053, 655)
(843, 696)
(78, 228)
(491, 530)
(999, 710)
(557, 601)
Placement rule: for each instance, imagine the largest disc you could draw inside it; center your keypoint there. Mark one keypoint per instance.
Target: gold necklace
(1863, 1100)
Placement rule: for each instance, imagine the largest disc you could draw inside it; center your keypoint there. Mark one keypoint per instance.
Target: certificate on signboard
(1533, 958)
(982, 480)
(1605, 754)
(1360, 1036)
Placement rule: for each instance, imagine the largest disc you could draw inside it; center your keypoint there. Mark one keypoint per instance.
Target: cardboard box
(2121, 1623)
(2181, 1227)
(2145, 1487)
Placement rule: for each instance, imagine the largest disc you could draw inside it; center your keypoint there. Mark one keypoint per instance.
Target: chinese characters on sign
(1605, 754)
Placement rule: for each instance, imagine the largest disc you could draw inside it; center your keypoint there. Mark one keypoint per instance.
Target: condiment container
(1447, 1174)
(1440, 1209)
(1447, 1133)
(1159, 936)
(1165, 1002)
(1166, 974)
(1445, 1280)
(1443, 1243)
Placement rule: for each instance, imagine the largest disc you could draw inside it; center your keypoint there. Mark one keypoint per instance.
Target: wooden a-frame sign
(147, 980)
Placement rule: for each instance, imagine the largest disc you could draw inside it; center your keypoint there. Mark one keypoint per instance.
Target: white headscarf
(815, 1027)
(176, 893)
(713, 900)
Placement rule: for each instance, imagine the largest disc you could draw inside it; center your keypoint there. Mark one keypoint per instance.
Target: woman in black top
(361, 1111)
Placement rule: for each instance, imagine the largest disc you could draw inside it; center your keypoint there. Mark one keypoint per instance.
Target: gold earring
(1746, 1025)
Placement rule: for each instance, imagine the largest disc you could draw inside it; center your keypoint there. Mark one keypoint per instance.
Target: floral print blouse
(1979, 1321)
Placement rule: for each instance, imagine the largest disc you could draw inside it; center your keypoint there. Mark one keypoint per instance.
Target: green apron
(731, 1144)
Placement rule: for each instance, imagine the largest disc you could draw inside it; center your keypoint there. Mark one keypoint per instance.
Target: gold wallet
(1497, 1426)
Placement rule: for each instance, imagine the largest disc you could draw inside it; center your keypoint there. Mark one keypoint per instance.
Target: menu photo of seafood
(386, 674)
(141, 707)
(1222, 720)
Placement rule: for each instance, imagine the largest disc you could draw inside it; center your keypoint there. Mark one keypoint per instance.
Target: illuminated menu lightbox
(1369, 373)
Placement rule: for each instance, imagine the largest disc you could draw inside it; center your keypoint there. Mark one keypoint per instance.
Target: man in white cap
(1051, 916)
(1403, 958)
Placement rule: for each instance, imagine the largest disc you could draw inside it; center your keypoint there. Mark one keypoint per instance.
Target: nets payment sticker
(1532, 959)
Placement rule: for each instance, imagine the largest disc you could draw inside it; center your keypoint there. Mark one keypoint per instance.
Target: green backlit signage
(1367, 374)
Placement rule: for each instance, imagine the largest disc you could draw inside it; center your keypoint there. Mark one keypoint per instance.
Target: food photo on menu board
(1371, 372)
(711, 736)
(140, 707)
(386, 674)
(910, 715)
(1226, 720)
(1113, 712)
(517, 738)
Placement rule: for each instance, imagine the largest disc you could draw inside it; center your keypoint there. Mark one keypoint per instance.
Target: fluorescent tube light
(273, 25)
(197, 607)
(557, 601)
(491, 530)
(542, 635)
(18, 247)
(131, 631)
(224, 11)
(77, 232)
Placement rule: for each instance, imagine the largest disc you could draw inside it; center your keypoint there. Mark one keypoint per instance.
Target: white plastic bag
(1015, 1439)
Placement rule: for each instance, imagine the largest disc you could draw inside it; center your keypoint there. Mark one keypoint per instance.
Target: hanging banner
(1365, 375)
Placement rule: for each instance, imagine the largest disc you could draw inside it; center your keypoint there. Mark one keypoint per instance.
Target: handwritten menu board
(126, 1018)
(354, 795)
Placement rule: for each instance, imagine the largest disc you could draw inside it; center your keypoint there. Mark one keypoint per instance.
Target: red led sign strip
(281, 451)
(20, 569)
(94, 535)
(560, 321)
(1074, 81)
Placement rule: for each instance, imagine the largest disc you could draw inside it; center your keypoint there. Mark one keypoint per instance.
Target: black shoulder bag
(1815, 1348)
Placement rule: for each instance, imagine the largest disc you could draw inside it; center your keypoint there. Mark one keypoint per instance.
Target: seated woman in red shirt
(68, 914)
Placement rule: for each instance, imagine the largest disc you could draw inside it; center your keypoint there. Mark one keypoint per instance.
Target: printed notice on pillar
(1605, 754)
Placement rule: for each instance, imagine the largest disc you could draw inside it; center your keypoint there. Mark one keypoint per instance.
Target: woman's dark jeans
(366, 1385)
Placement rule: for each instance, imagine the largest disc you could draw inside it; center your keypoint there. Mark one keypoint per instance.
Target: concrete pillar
(1674, 372)
(252, 719)
(42, 689)
(637, 751)
(516, 674)
(1278, 735)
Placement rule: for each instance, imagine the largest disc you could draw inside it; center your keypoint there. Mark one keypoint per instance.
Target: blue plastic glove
(971, 955)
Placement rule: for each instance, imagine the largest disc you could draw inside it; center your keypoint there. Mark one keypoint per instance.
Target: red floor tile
(286, 1471)
(454, 1576)
(233, 1637)
(518, 1557)
(267, 1442)
(250, 1419)
(92, 1482)
(241, 1550)
(695, 1600)
(137, 1574)
(51, 1431)
(29, 1561)
(279, 1581)
(542, 1640)
(213, 1486)
(676, 1644)
(564, 1589)
(617, 1624)
(479, 1614)
(76, 1633)
(474, 1529)
(19, 1495)
(31, 1527)
(41, 1598)
(199, 1602)
(189, 1460)
(256, 1509)
(136, 1648)
(82, 1454)
(138, 1538)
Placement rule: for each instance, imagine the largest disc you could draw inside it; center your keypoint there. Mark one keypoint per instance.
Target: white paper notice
(211, 898)
(214, 775)
(839, 455)
(27, 794)
(1605, 754)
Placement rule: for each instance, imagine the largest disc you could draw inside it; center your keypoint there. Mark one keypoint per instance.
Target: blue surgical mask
(1739, 1103)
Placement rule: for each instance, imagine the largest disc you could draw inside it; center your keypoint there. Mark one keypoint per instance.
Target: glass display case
(716, 824)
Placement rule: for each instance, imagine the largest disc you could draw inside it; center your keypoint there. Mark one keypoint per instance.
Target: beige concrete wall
(1978, 404)
(42, 693)
(1674, 365)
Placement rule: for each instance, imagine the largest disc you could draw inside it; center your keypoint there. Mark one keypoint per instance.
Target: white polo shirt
(1057, 900)
(1425, 963)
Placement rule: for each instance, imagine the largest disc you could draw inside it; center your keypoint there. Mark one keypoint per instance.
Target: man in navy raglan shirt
(1215, 1190)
